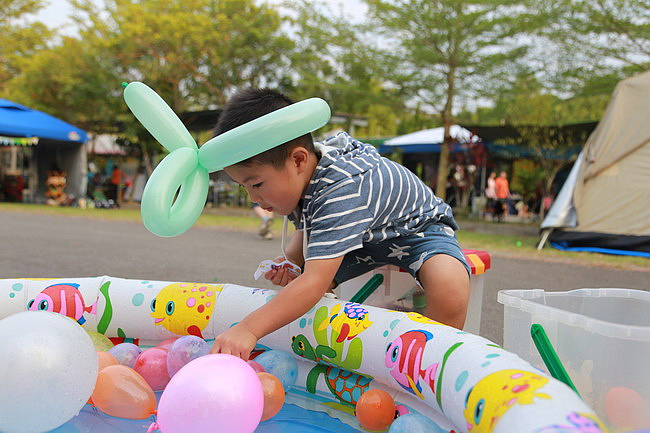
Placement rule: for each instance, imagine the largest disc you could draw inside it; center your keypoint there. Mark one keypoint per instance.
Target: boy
(355, 211)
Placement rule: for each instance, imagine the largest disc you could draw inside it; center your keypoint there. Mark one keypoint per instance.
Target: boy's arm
(298, 297)
(294, 248)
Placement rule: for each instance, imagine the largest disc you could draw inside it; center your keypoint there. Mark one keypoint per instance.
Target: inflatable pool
(461, 382)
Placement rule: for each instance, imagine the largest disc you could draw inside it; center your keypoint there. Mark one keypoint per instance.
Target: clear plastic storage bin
(602, 337)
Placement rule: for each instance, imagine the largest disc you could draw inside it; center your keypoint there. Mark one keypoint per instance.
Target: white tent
(604, 203)
(103, 144)
(432, 136)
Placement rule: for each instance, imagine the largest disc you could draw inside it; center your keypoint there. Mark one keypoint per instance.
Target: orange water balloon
(626, 409)
(375, 410)
(273, 395)
(105, 359)
(120, 391)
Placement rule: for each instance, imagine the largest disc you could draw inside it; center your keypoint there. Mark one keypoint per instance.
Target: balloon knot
(153, 427)
(124, 84)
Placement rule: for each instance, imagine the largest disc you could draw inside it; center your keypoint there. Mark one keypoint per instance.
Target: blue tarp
(19, 121)
(523, 151)
(564, 247)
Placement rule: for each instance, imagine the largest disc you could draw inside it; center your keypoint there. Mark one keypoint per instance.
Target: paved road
(34, 245)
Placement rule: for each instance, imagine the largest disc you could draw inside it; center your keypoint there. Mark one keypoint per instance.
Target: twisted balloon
(185, 170)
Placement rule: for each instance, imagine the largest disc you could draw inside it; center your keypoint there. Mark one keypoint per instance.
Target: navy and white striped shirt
(356, 196)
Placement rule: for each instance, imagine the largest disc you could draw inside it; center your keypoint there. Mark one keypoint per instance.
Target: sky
(55, 14)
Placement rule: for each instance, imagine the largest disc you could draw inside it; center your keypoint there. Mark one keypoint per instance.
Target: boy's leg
(434, 257)
(267, 220)
(446, 285)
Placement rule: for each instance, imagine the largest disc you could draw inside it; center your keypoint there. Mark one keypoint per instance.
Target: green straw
(549, 356)
(368, 289)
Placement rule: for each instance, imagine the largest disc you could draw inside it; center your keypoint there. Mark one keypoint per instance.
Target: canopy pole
(544, 237)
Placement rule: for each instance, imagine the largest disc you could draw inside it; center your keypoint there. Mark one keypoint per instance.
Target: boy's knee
(443, 272)
(446, 284)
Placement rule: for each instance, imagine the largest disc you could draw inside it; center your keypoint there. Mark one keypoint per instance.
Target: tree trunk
(547, 190)
(146, 158)
(443, 162)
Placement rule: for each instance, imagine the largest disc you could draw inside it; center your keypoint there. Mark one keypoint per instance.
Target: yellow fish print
(185, 308)
(417, 317)
(349, 323)
(496, 393)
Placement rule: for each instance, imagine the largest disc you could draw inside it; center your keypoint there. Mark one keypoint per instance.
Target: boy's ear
(299, 158)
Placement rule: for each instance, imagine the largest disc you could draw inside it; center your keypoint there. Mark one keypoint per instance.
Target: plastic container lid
(534, 302)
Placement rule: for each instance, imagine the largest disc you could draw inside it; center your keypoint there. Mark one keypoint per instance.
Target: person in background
(503, 195)
(491, 193)
(115, 183)
(139, 181)
(267, 221)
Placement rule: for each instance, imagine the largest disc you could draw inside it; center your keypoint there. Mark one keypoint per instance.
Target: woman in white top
(491, 193)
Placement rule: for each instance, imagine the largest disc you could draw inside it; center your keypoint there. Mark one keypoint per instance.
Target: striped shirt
(356, 196)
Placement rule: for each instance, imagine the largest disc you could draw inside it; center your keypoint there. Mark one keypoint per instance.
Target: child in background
(353, 211)
(267, 221)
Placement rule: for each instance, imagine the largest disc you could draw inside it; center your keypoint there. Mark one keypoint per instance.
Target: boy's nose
(255, 198)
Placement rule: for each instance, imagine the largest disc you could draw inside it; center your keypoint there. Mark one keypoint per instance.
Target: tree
(597, 42)
(332, 60)
(70, 82)
(444, 50)
(193, 52)
(18, 40)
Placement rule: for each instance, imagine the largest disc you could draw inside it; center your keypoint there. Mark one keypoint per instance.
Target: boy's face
(276, 190)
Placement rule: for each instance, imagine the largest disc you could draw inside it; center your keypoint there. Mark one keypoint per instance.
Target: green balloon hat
(187, 166)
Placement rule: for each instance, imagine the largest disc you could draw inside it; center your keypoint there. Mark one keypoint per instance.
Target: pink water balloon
(213, 393)
(152, 365)
(166, 344)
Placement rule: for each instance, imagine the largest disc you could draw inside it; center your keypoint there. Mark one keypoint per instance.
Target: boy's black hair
(251, 103)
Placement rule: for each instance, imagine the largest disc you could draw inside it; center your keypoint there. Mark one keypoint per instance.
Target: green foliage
(192, 52)
(605, 39)
(68, 81)
(528, 102)
(332, 60)
(19, 40)
(527, 178)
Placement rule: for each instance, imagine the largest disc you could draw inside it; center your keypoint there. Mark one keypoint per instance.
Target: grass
(523, 247)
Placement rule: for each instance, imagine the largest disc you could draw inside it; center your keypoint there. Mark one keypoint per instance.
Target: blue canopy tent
(421, 149)
(20, 121)
(47, 142)
(428, 141)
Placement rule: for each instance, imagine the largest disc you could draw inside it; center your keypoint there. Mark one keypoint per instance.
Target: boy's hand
(237, 341)
(281, 276)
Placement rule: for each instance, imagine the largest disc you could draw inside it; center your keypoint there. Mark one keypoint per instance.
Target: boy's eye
(257, 185)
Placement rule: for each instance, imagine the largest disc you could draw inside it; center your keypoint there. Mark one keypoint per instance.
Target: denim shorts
(406, 252)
